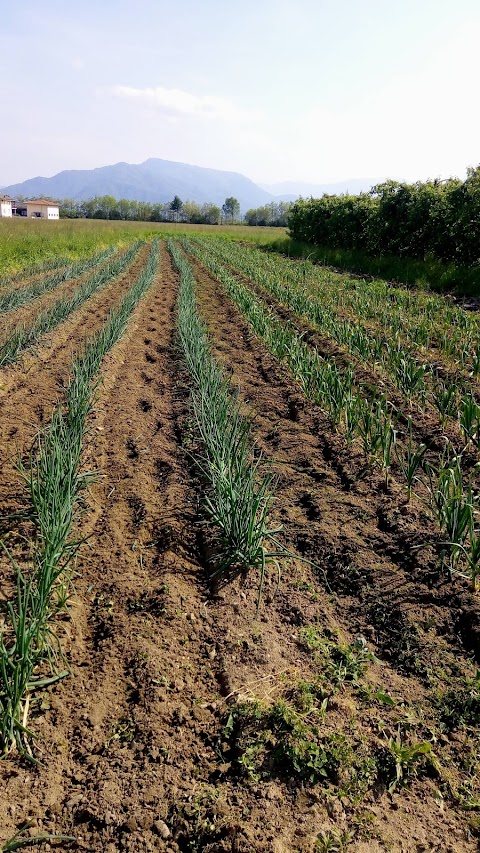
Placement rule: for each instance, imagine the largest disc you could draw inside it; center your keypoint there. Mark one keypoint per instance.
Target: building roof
(41, 201)
(5, 197)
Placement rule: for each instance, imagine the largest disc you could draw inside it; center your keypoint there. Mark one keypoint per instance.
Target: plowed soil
(134, 753)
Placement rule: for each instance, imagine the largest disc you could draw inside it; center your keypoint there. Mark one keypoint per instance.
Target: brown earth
(132, 745)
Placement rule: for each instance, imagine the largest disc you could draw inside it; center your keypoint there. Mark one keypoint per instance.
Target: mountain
(154, 181)
(290, 190)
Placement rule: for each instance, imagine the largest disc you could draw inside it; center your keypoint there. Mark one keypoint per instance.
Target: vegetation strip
(437, 220)
(21, 296)
(450, 400)
(238, 496)
(54, 482)
(403, 327)
(24, 337)
(407, 317)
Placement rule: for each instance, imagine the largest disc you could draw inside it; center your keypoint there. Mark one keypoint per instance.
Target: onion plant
(454, 503)
(238, 495)
(469, 420)
(29, 648)
(445, 398)
(410, 459)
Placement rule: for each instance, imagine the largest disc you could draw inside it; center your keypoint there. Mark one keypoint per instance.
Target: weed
(341, 662)
(461, 706)
(401, 761)
(333, 841)
(277, 740)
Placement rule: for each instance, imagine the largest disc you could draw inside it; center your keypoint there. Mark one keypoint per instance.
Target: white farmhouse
(5, 206)
(38, 209)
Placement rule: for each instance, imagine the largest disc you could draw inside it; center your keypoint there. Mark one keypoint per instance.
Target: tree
(176, 204)
(191, 212)
(231, 208)
(211, 214)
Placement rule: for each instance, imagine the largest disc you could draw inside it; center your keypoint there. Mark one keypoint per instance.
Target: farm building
(5, 205)
(38, 209)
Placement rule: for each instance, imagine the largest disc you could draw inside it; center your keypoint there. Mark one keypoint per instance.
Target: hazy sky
(315, 90)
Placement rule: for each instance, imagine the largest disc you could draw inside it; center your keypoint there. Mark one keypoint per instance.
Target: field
(240, 571)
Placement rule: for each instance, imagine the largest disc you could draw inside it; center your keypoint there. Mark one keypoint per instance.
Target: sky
(299, 90)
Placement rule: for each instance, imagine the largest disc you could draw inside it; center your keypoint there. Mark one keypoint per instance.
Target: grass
(427, 274)
(28, 644)
(29, 245)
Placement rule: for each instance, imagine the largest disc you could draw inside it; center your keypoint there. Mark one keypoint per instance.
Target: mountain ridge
(154, 180)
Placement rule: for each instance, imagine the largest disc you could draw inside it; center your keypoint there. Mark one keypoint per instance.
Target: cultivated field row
(232, 619)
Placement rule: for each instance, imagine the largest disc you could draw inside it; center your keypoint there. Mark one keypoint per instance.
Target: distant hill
(290, 190)
(154, 181)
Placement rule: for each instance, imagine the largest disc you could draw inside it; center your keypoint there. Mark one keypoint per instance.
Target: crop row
(407, 318)
(369, 418)
(417, 382)
(237, 495)
(22, 336)
(38, 269)
(29, 647)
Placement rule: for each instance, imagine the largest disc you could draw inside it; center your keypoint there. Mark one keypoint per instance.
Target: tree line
(274, 214)
(431, 219)
(108, 207)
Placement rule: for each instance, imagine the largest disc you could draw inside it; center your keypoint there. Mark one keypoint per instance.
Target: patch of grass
(308, 697)
(122, 730)
(333, 841)
(423, 275)
(201, 823)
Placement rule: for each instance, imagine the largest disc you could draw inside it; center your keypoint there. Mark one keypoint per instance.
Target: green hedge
(437, 220)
